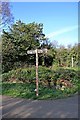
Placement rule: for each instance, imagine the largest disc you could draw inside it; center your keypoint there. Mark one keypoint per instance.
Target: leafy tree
(61, 56)
(0, 52)
(78, 54)
(74, 53)
(64, 55)
(20, 38)
(48, 58)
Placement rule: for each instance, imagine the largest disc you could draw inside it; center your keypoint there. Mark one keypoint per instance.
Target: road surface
(23, 108)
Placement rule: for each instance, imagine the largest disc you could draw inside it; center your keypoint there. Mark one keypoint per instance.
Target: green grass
(25, 90)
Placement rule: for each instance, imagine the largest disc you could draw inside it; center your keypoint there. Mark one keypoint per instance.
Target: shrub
(47, 76)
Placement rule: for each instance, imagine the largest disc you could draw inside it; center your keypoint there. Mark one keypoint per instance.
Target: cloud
(62, 31)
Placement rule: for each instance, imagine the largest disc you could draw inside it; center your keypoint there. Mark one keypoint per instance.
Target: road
(23, 108)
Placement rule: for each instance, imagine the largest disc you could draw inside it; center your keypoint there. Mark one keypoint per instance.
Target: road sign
(31, 52)
(36, 52)
(42, 50)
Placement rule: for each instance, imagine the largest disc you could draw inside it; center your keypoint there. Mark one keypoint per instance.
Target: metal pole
(36, 72)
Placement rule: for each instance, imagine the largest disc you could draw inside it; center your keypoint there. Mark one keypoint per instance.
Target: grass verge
(25, 90)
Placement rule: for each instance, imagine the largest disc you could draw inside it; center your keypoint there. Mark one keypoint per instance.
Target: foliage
(25, 83)
(26, 90)
(64, 56)
(20, 38)
(47, 76)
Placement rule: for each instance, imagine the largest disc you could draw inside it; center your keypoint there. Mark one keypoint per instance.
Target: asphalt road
(22, 108)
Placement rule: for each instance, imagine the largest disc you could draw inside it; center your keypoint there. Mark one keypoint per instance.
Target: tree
(20, 38)
(49, 58)
(61, 55)
(5, 14)
(64, 55)
(74, 53)
(0, 58)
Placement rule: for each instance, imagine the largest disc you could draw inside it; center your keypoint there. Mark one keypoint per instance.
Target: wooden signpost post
(37, 51)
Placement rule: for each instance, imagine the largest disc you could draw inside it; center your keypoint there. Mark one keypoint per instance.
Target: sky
(60, 19)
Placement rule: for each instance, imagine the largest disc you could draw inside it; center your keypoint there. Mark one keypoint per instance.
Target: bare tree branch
(6, 17)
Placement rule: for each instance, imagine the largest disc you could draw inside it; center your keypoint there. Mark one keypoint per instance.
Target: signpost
(37, 51)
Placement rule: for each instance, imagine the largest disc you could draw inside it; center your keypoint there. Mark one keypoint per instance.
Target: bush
(66, 74)
(46, 76)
